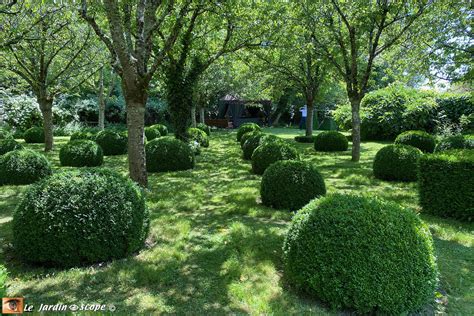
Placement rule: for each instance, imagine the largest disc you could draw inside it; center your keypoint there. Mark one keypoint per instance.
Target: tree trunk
(309, 117)
(193, 116)
(136, 142)
(46, 107)
(277, 118)
(201, 114)
(101, 101)
(355, 105)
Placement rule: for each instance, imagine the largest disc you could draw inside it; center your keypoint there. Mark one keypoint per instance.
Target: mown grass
(214, 249)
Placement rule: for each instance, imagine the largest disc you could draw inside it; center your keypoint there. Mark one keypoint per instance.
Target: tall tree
(51, 58)
(139, 35)
(351, 35)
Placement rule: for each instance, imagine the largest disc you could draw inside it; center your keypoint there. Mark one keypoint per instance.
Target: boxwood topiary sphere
(305, 139)
(419, 139)
(247, 135)
(397, 162)
(291, 184)
(152, 132)
(451, 142)
(81, 153)
(112, 143)
(361, 253)
(256, 140)
(34, 135)
(245, 128)
(80, 217)
(205, 128)
(271, 152)
(23, 167)
(9, 144)
(83, 135)
(198, 135)
(168, 154)
(330, 141)
(161, 128)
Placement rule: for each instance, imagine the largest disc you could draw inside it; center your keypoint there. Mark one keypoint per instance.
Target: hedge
(203, 127)
(198, 135)
(361, 253)
(330, 141)
(247, 135)
(81, 153)
(23, 167)
(245, 128)
(305, 139)
(451, 142)
(168, 154)
(34, 135)
(80, 217)
(256, 140)
(9, 144)
(397, 162)
(151, 133)
(83, 135)
(271, 152)
(4, 134)
(112, 143)
(446, 184)
(419, 139)
(291, 184)
(161, 128)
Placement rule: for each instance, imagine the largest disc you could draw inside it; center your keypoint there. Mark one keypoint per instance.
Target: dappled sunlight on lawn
(213, 248)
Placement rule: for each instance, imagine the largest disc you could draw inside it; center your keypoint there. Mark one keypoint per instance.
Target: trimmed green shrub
(4, 134)
(271, 152)
(330, 141)
(245, 128)
(205, 128)
(168, 154)
(451, 142)
(256, 140)
(446, 182)
(152, 132)
(34, 135)
(161, 128)
(305, 139)
(291, 184)
(9, 144)
(3, 281)
(419, 139)
(80, 217)
(83, 135)
(469, 142)
(397, 163)
(198, 135)
(112, 143)
(247, 135)
(361, 253)
(81, 153)
(23, 167)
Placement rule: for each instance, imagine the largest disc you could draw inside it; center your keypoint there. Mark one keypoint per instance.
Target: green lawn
(214, 249)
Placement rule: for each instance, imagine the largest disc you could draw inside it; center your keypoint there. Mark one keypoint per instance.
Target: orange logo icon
(12, 305)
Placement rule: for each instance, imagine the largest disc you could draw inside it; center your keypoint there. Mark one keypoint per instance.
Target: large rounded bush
(34, 135)
(305, 139)
(80, 217)
(81, 153)
(361, 253)
(256, 140)
(446, 182)
(112, 143)
(205, 128)
(419, 139)
(247, 135)
(451, 142)
(245, 128)
(23, 167)
(168, 154)
(271, 152)
(291, 184)
(161, 128)
(397, 162)
(152, 132)
(330, 141)
(9, 144)
(83, 135)
(198, 135)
